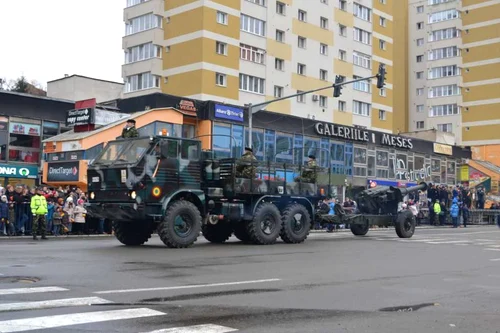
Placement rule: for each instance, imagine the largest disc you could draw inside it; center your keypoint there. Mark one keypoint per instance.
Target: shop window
(382, 173)
(4, 138)
(298, 146)
(148, 130)
(222, 140)
(92, 153)
(237, 143)
(359, 155)
(401, 163)
(160, 126)
(257, 142)
(188, 131)
(324, 154)
(360, 171)
(24, 142)
(435, 166)
(270, 145)
(348, 159)
(419, 162)
(450, 168)
(50, 129)
(284, 147)
(371, 166)
(311, 147)
(436, 179)
(337, 152)
(382, 159)
(392, 166)
(17, 155)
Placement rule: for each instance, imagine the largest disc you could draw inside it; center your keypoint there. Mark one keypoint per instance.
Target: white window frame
(301, 42)
(222, 18)
(301, 69)
(420, 124)
(323, 101)
(443, 34)
(342, 106)
(361, 60)
(362, 36)
(221, 48)
(420, 9)
(420, 41)
(278, 91)
(444, 15)
(301, 98)
(443, 110)
(343, 55)
(252, 54)
(362, 12)
(252, 84)
(382, 92)
(382, 21)
(342, 30)
(443, 71)
(447, 128)
(444, 91)
(443, 53)
(323, 23)
(364, 86)
(382, 115)
(419, 75)
(420, 91)
(142, 52)
(280, 36)
(420, 108)
(142, 81)
(343, 5)
(302, 15)
(252, 25)
(280, 8)
(221, 79)
(143, 23)
(323, 74)
(279, 64)
(323, 49)
(381, 44)
(361, 108)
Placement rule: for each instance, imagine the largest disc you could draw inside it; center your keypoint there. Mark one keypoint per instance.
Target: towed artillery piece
(381, 206)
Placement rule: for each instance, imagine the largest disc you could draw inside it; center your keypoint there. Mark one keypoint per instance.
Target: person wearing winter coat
(6, 228)
(437, 211)
(454, 212)
(79, 216)
(68, 217)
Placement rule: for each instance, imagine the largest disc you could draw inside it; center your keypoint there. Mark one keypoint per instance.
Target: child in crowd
(6, 228)
(57, 220)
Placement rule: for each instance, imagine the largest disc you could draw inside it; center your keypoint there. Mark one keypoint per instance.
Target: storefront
(14, 174)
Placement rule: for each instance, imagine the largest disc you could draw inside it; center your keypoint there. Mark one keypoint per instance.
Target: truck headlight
(92, 195)
(133, 195)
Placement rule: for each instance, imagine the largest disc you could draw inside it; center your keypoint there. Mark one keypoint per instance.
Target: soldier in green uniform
(129, 131)
(244, 169)
(39, 210)
(309, 172)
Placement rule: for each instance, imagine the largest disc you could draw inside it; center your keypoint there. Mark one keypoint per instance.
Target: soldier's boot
(34, 236)
(44, 237)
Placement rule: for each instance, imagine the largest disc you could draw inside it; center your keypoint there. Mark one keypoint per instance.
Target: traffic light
(381, 76)
(337, 89)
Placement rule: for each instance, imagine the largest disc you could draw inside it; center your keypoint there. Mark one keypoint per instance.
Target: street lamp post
(254, 108)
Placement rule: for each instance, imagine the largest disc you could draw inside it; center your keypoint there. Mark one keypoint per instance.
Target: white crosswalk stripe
(56, 303)
(209, 328)
(14, 291)
(37, 323)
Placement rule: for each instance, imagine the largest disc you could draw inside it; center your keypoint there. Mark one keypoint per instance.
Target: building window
(24, 141)
(342, 30)
(442, 53)
(279, 64)
(131, 3)
(252, 25)
(445, 128)
(343, 5)
(420, 41)
(221, 48)
(361, 108)
(278, 91)
(343, 55)
(444, 15)
(302, 15)
(420, 91)
(142, 81)
(323, 49)
(323, 101)
(323, 75)
(280, 8)
(301, 69)
(444, 110)
(443, 91)
(362, 36)
(258, 2)
(301, 43)
(420, 75)
(301, 98)
(252, 54)
(323, 22)
(361, 60)
(420, 124)
(362, 12)
(444, 71)
(382, 92)
(382, 115)
(436, 2)
(222, 18)
(142, 23)
(342, 106)
(420, 25)
(382, 21)
(420, 108)
(381, 44)
(420, 58)
(284, 147)
(364, 86)
(443, 34)
(220, 79)
(420, 9)
(280, 36)
(252, 84)
(49, 128)
(142, 52)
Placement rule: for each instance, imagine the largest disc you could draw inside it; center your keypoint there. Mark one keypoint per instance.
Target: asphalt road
(441, 280)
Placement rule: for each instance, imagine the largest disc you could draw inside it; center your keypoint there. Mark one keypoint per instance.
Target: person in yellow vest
(39, 210)
(437, 211)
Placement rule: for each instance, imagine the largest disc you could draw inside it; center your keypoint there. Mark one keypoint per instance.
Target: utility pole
(254, 108)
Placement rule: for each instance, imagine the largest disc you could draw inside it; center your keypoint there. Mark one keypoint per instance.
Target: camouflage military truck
(162, 183)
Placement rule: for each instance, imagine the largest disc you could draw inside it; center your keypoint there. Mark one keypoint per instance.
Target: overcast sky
(45, 39)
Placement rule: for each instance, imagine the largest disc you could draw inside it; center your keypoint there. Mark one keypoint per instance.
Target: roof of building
(36, 96)
(489, 166)
(85, 77)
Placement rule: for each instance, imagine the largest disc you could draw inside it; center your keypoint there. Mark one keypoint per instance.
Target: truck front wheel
(296, 224)
(405, 224)
(181, 225)
(132, 233)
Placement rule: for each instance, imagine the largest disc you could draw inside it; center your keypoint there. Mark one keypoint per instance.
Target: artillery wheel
(240, 231)
(405, 224)
(360, 229)
(132, 233)
(265, 227)
(218, 233)
(181, 225)
(296, 224)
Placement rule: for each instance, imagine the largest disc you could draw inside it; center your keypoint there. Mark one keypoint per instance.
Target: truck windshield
(119, 152)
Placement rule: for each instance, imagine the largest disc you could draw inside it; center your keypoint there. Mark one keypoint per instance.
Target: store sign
(80, 117)
(63, 172)
(13, 171)
(71, 145)
(228, 112)
(417, 175)
(103, 117)
(187, 106)
(358, 134)
(443, 149)
(24, 129)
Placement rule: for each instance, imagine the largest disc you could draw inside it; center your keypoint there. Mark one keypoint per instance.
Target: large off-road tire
(265, 227)
(218, 233)
(296, 224)
(181, 225)
(240, 231)
(132, 233)
(360, 229)
(405, 224)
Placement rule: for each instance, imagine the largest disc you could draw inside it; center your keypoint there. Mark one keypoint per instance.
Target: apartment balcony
(154, 35)
(153, 65)
(156, 7)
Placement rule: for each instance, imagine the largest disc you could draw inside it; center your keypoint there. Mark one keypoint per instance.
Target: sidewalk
(391, 228)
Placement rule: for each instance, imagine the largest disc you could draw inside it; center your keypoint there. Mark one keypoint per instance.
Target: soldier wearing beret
(245, 168)
(309, 172)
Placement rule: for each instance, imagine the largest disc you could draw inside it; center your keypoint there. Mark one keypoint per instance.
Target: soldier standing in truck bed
(245, 167)
(309, 172)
